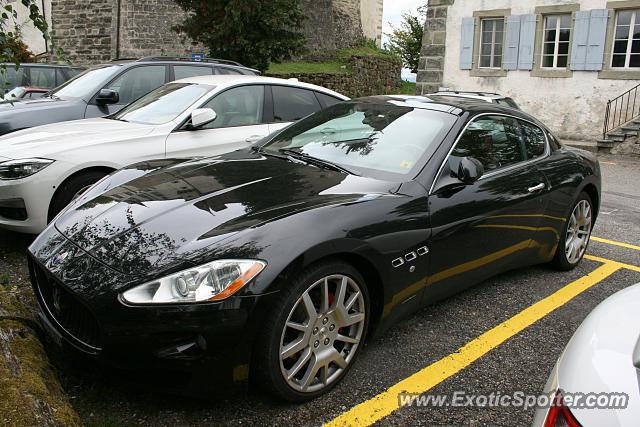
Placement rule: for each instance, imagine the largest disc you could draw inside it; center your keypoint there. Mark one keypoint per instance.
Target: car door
(131, 84)
(239, 123)
(291, 104)
(488, 226)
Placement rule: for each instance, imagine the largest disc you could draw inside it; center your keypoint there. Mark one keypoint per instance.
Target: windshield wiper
(316, 161)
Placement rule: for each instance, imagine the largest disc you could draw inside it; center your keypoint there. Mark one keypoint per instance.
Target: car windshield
(85, 84)
(163, 104)
(381, 140)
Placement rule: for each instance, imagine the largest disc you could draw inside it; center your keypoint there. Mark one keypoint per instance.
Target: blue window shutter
(597, 35)
(580, 40)
(512, 43)
(527, 39)
(466, 43)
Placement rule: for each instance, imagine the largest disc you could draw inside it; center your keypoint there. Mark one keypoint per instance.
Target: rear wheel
(314, 332)
(71, 189)
(577, 231)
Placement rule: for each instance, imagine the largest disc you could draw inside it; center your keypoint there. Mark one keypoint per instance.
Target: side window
(494, 140)
(290, 103)
(238, 106)
(327, 100)
(184, 71)
(61, 77)
(15, 78)
(137, 82)
(43, 77)
(534, 140)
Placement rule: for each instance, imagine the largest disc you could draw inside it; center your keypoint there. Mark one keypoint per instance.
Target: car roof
(159, 61)
(457, 106)
(469, 94)
(229, 80)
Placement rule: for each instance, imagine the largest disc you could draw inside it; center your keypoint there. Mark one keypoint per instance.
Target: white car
(596, 381)
(43, 168)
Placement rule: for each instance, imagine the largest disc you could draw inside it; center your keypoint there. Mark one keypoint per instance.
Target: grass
(308, 67)
(4, 279)
(408, 88)
(344, 54)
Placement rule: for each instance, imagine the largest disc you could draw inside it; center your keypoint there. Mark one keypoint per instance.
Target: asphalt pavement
(442, 334)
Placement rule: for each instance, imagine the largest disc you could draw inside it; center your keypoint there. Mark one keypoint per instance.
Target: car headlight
(209, 282)
(22, 168)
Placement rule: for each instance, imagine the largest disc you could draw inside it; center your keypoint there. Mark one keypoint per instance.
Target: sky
(392, 11)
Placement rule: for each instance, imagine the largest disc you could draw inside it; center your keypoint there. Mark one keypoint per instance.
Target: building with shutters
(560, 60)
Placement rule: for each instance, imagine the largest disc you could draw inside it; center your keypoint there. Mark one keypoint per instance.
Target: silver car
(596, 381)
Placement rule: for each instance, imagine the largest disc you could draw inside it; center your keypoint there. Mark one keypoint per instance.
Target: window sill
(487, 72)
(626, 74)
(551, 73)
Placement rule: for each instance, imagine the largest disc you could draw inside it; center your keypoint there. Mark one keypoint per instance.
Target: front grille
(62, 307)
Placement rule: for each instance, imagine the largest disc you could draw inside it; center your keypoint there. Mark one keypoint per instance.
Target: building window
(557, 33)
(626, 43)
(492, 31)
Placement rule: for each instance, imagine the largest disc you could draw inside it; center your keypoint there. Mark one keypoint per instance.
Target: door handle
(536, 187)
(254, 138)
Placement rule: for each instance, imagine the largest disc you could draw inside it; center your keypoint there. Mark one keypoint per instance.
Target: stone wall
(83, 29)
(431, 65)
(145, 30)
(371, 75)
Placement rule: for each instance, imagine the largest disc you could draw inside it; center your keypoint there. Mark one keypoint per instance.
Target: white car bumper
(24, 203)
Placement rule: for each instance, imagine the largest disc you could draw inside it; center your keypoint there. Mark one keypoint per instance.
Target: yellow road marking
(608, 163)
(386, 402)
(608, 261)
(613, 242)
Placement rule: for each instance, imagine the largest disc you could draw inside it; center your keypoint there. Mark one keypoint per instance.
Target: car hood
(160, 220)
(48, 140)
(35, 104)
(603, 356)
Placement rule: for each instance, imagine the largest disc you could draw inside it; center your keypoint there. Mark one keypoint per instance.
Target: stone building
(100, 30)
(561, 60)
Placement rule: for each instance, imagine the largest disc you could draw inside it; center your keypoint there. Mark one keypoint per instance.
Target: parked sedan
(281, 259)
(107, 88)
(596, 380)
(43, 168)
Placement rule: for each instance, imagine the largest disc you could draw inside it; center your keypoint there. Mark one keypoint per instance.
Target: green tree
(12, 50)
(251, 32)
(406, 41)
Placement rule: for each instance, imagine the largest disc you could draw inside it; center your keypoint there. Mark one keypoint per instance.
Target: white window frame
(492, 65)
(556, 42)
(628, 53)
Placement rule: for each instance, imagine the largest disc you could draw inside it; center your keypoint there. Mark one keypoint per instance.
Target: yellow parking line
(386, 402)
(608, 163)
(608, 261)
(613, 242)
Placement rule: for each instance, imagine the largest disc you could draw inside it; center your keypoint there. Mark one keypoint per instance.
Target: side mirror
(201, 117)
(107, 96)
(470, 170)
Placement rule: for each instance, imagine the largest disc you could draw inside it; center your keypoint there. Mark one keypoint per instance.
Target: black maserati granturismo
(278, 261)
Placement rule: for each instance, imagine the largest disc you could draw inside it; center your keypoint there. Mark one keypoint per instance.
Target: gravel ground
(522, 363)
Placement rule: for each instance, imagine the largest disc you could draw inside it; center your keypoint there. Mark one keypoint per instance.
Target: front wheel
(314, 332)
(72, 189)
(577, 231)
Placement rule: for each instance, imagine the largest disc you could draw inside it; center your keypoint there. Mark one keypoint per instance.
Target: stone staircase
(622, 140)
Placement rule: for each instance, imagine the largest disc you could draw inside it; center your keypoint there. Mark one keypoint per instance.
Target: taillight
(559, 415)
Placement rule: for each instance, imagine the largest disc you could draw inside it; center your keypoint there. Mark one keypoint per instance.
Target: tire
(576, 233)
(72, 188)
(317, 336)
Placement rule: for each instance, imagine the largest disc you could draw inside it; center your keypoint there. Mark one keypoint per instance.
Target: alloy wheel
(322, 333)
(578, 231)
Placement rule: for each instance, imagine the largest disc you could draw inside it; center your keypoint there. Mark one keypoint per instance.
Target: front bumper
(83, 312)
(32, 196)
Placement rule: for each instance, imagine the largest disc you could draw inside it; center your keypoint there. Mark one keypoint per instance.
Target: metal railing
(621, 110)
